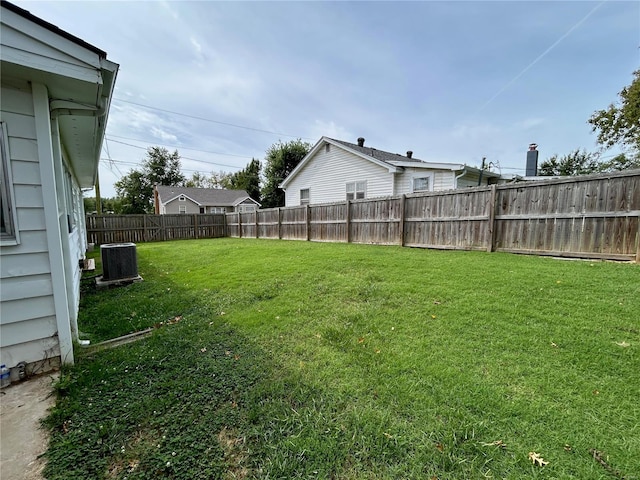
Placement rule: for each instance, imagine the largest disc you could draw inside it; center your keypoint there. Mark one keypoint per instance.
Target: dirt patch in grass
(235, 454)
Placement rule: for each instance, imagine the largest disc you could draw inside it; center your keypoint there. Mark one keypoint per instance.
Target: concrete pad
(22, 440)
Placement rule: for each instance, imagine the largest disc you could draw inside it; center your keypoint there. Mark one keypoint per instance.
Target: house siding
(441, 179)
(174, 206)
(327, 173)
(28, 329)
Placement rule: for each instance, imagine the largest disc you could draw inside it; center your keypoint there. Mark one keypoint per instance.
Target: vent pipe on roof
(532, 160)
(409, 154)
(361, 141)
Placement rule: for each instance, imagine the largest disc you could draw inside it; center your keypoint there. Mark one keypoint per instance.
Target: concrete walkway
(22, 441)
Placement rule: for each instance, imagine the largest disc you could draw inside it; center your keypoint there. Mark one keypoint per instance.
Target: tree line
(134, 191)
(619, 124)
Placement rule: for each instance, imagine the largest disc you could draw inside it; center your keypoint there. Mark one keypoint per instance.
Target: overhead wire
(195, 117)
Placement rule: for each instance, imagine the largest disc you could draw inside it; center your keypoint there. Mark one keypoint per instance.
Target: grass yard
(305, 360)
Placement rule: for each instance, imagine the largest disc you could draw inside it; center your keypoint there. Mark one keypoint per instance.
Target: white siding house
(56, 91)
(335, 171)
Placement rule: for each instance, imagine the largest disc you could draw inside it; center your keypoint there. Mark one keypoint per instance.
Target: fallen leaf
(596, 392)
(537, 459)
(440, 447)
(236, 357)
(623, 344)
(377, 351)
(361, 339)
(497, 443)
(388, 435)
(433, 316)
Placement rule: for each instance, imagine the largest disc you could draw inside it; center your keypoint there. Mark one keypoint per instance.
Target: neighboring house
(335, 171)
(201, 200)
(56, 93)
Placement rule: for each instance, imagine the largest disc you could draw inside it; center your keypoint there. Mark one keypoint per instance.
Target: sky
(452, 81)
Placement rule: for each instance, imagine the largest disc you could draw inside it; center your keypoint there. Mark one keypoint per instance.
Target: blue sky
(451, 81)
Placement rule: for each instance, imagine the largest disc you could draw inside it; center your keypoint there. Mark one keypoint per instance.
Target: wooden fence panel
(375, 221)
(328, 222)
(293, 223)
(103, 229)
(594, 216)
(456, 219)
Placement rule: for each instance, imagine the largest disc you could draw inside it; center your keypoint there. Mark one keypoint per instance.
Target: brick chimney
(361, 141)
(532, 160)
(409, 154)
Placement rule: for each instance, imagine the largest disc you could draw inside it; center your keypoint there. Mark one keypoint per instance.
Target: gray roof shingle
(208, 197)
(387, 157)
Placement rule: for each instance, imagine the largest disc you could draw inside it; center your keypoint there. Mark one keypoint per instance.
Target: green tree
(214, 180)
(135, 190)
(576, 163)
(620, 123)
(281, 159)
(247, 179)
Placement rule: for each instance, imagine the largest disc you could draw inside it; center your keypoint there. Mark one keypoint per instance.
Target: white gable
(326, 173)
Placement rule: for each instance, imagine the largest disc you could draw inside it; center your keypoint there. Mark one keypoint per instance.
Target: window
(356, 190)
(201, 209)
(182, 198)
(217, 209)
(304, 196)
(8, 231)
(327, 148)
(246, 208)
(182, 209)
(421, 184)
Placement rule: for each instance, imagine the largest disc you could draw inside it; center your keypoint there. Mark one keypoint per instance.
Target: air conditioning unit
(119, 262)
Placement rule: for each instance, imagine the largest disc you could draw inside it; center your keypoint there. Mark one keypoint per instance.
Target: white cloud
(163, 135)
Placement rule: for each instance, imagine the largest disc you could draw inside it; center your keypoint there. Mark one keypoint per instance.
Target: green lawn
(305, 360)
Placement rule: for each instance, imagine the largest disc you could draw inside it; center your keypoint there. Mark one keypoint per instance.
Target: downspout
(464, 172)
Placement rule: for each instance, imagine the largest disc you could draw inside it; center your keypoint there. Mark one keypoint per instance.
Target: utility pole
(481, 171)
(98, 200)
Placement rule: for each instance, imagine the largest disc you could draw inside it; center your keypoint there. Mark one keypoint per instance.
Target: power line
(186, 158)
(209, 120)
(175, 146)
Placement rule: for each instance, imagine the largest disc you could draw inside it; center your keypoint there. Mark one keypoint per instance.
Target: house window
(356, 190)
(246, 208)
(304, 196)
(201, 209)
(182, 209)
(8, 231)
(217, 209)
(182, 198)
(327, 148)
(421, 184)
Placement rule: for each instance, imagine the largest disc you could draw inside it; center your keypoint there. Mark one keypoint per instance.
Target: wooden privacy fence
(594, 216)
(103, 229)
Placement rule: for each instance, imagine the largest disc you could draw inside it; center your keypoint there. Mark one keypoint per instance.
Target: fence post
(308, 218)
(225, 228)
(638, 245)
(403, 197)
(256, 214)
(239, 225)
(279, 224)
(492, 219)
(195, 223)
(347, 222)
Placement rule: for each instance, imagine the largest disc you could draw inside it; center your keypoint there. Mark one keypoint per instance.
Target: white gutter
(464, 172)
